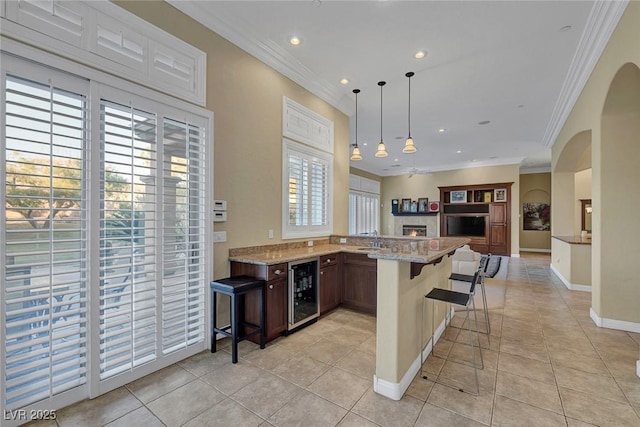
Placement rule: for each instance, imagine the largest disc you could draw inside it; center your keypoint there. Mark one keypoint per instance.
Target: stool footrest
(461, 277)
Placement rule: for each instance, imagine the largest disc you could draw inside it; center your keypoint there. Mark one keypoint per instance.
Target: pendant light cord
(409, 75)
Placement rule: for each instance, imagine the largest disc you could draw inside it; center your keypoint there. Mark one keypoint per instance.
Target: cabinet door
(498, 213)
(359, 287)
(499, 229)
(275, 308)
(329, 297)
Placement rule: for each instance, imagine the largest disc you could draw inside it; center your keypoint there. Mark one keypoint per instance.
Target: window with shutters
(307, 191)
(104, 255)
(364, 212)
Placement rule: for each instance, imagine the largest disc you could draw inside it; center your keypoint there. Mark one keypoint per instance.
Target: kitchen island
(403, 329)
(407, 269)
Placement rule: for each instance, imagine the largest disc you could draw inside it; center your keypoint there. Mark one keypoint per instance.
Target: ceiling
(506, 62)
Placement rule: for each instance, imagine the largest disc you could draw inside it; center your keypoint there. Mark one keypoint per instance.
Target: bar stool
(468, 278)
(235, 288)
(465, 300)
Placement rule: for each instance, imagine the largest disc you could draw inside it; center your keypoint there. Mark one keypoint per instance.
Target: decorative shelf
(414, 213)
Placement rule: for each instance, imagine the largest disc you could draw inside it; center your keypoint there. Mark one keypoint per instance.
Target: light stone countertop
(574, 240)
(420, 250)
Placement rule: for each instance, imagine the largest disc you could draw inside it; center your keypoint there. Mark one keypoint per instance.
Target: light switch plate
(343, 240)
(219, 236)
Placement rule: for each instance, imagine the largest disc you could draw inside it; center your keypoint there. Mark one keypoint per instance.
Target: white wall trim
(638, 368)
(515, 255)
(545, 251)
(621, 325)
(395, 391)
(568, 284)
(602, 22)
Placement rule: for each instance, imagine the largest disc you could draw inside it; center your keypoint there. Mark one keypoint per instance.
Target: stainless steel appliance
(304, 296)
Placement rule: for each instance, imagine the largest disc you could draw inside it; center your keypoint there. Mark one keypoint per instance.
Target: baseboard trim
(621, 325)
(515, 255)
(395, 391)
(569, 285)
(545, 251)
(638, 368)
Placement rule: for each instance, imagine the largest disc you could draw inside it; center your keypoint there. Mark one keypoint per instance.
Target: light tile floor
(547, 365)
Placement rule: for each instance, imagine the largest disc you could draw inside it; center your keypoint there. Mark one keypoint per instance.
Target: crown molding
(602, 21)
(527, 171)
(267, 52)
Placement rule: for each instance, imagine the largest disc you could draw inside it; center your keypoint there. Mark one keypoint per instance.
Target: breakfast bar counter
(407, 269)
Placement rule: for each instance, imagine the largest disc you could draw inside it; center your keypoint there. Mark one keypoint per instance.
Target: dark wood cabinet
(479, 212)
(330, 290)
(276, 308)
(359, 282)
(275, 301)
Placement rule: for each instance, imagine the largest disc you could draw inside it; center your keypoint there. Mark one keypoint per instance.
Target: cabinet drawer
(331, 259)
(277, 271)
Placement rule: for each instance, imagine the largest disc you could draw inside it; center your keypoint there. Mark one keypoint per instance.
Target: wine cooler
(304, 304)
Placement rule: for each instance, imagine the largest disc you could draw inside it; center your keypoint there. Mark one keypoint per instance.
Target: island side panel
(399, 317)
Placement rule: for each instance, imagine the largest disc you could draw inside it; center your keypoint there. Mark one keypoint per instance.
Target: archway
(615, 214)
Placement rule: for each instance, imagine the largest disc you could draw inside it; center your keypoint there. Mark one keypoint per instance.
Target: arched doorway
(616, 208)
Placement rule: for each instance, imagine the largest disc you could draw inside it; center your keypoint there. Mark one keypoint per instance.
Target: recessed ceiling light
(521, 106)
(459, 151)
(484, 122)
(442, 130)
(474, 160)
(365, 144)
(493, 157)
(395, 160)
(565, 28)
(294, 40)
(344, 81)
(420, 54)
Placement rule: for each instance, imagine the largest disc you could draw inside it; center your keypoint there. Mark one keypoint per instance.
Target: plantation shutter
(183, 247)
(45, 223)
(364, 213)
(307, 194)
(127, 238)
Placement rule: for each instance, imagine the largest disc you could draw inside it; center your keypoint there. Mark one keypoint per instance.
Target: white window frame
(301, 232)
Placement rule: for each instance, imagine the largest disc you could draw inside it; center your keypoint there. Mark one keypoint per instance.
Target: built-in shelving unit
(480, 212)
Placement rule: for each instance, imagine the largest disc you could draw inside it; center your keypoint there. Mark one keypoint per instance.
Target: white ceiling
(509, 62)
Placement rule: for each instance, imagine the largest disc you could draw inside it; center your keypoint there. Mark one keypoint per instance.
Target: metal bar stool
(468, 278)
(235, 288)
(465, 300)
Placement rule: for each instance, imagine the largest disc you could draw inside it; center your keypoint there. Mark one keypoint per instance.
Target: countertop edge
(312, 252)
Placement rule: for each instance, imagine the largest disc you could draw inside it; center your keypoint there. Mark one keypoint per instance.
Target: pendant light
(382, 150)
(355, 155)
(408, 146)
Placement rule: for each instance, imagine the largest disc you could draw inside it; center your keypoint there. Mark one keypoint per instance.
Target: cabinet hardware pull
(322, 273)
(270, 286)
(278, 272)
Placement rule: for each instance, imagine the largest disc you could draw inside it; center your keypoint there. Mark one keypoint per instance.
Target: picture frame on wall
(423, 204)
(406, 205)
(458, 196)
(500, 195)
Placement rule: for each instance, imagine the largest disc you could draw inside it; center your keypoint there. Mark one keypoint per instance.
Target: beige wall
(398, 187)
(534, 187)
(365, 174)
(614, 152)
(246, 98)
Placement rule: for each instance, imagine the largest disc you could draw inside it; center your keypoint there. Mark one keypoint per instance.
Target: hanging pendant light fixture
(409, 147)
(382, 150)
(355, 155)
